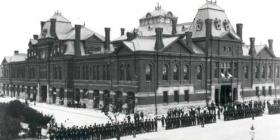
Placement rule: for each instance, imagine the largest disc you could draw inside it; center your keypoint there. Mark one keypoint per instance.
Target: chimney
(77, 39)
(42, 25)
(174, 24)
(35, 37)
(188, 38)
(239, 28)
(159, 44)
(208, 23)
(52, 29)
(16, 52)
(270, 44)
(252, 50)
(122, 31)
(107, 39)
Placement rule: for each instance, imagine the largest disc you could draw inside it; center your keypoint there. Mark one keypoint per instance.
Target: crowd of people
(243, 110)
(195, 116)
(274, 108)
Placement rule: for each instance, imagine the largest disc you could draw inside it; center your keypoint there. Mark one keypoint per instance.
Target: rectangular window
(235, 74)
(217, 70)
(257, 91)
(187, 95)
(176, 96)
(165, 96)
(270, 90)
(263, 91)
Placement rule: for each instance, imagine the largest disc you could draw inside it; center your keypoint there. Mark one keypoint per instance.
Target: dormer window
(148, 15)
(44, 33)
(170, 14)
(217, 23)
(226, 24)
(199, 24)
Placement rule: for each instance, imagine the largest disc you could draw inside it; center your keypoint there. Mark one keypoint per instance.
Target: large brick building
(158, 63)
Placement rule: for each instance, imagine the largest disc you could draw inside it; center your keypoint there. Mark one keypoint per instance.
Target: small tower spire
(158, 7)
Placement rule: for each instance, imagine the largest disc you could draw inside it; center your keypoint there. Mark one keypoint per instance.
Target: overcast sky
(20, 19)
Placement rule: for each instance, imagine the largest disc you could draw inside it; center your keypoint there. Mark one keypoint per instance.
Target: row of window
(265, 72)
(263, 91)
(175, 72)
(176, 96)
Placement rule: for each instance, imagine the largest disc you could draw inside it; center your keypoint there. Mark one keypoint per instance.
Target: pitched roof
(211, 11)
(16, 58)
(147, 43)
(65, 31)
(85, 34)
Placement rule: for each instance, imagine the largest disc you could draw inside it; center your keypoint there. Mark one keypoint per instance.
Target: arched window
(186, 72)
(257, 70)
(93, 73)
(199, 72)
(121, 72)
(165, 72)
(108, 72)
(148, 72)
(128, 77)
(175, 72)
(246, 72)
(270, 72)
(97, 73)
(263, 71)
(87, 72)
(104, 72)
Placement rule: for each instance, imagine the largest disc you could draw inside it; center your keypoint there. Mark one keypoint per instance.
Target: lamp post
(252, 132)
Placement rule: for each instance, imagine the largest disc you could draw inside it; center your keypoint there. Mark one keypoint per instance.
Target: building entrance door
(225, 95)
(44, 93)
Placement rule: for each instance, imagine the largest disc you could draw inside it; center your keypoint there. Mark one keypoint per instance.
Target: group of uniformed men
(196, 116)
(243, 110)
(274, 108)
(103, 131)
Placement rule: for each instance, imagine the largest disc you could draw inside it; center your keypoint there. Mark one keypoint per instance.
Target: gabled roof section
(147, 43)
(85, 34)
(64, 29)
(259, 49)
(15, 58)
(58, 16)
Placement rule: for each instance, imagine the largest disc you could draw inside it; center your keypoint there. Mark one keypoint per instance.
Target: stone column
(101, 102)
(57, 98)
(90, 99)
(48, 94)
(212, 94)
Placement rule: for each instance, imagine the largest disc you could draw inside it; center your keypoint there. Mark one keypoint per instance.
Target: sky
(20, 19)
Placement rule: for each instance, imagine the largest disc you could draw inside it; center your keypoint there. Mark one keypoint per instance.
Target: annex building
(161, 62)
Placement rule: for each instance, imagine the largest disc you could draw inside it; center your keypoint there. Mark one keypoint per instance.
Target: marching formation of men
(103, 131)
(274, 108)
(176, 117)
(243, 110)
